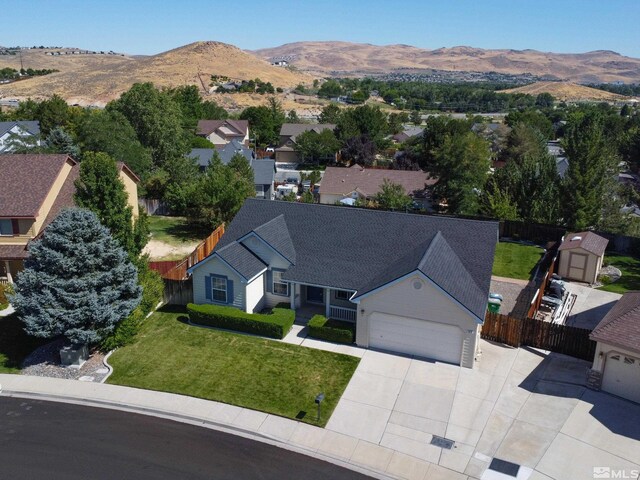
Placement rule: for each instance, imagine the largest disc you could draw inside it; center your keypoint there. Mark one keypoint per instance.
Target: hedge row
(275, 325)
(331, 330)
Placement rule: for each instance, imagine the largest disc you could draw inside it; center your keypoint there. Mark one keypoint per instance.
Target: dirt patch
(163, 251)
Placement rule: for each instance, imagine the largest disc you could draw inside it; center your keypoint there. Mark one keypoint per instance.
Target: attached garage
(416, 337)
(617, 360)
(622, 376)
(581, 256)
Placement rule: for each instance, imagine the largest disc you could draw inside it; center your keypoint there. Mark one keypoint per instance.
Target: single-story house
(221, 132)
(34, 188)
(15, 132)
(362, 183)
(616, 365)
(264, 170)
(581, 256)
(407, 133)
(286, 151)
(412, 284)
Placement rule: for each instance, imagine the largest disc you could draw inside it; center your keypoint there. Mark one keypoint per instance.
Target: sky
(152, 26)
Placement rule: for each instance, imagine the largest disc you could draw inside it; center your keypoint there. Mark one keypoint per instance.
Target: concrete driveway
(520, 405)
(591, 305)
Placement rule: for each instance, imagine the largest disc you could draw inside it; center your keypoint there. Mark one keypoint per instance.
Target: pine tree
(77, 282)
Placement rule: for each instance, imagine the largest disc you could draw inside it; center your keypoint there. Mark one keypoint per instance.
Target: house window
(342, 295)
(260, 191)
(219, 289)
(280, 287)
(6, 227)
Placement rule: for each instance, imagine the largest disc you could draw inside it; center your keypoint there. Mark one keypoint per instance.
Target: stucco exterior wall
(131, 187)
(51, 197)
(427, 303)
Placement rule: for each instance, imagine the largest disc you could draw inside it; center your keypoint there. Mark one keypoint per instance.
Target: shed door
(622, 376)
(577, 265)
(415, 337)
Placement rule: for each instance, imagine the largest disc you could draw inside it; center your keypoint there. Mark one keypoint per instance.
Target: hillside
(97, 79)
(568, 92)
(344, 58)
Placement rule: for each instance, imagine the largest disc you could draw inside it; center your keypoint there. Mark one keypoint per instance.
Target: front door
(315, 295)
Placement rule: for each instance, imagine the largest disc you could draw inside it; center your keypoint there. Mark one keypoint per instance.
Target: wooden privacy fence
(163, 267)
(571, 341)
(202, 251)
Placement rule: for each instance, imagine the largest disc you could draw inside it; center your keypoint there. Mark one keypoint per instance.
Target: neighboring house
(581, 256)
(407, 133)
(263, 170)
(616, 365)
(286, 152)
(33, 190)
(221, 132)
(357, 182)
(562, 163)
(11, 132)
(413, 284)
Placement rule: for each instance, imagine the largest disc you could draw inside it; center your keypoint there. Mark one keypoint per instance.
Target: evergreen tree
(77, 281)
(59, 141)
(591, 163)
(100, 190)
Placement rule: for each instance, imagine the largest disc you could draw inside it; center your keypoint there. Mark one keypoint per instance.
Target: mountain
(568, 92)
(95, 79)
(344, 58)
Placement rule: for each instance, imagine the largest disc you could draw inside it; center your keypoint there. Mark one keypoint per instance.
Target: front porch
(309, 300)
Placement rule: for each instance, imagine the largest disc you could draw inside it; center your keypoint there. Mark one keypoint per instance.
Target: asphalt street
(50, 440)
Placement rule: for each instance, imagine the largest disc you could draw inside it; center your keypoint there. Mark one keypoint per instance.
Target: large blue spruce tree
(77, 281)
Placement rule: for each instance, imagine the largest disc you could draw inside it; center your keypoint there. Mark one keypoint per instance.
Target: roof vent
(576, 238)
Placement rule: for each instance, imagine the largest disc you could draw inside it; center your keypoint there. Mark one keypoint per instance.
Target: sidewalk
(337, 448)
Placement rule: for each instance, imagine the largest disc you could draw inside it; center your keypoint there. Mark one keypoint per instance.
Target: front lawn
(174, 231)
(515, 260)
(630, 268)
(15, 345)
(274, 377)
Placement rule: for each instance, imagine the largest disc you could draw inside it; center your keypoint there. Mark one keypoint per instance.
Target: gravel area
(45, 362)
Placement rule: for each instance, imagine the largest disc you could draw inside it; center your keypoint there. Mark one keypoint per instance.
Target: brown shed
(581, 256)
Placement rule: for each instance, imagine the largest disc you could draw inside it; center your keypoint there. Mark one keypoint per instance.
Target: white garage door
(416, 337)
(622, 376)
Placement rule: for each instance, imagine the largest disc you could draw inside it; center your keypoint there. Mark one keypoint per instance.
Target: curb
(106, 364)
(198, 422)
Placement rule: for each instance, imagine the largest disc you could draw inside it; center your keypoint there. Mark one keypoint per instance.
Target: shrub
(5, 291)
(331, 330)
(274, 325)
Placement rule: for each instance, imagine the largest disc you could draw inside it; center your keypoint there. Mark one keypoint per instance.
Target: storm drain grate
(442, 442)
(505, 467)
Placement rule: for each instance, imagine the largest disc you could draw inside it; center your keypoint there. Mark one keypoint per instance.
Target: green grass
(274, 377)
(514, 260)
(174, 230)
(630, 268)
(15, 345)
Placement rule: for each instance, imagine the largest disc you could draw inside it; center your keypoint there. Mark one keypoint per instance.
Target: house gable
(217, 268)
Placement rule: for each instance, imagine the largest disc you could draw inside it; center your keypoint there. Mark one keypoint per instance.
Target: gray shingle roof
(227, 152)
(241, 260)
(351, 248)
(621, 326)
(295, 129)
(276, 233)
(202, 156)
(263, 171)
(31, 126)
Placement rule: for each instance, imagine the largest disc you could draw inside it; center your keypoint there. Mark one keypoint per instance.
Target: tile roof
(588, 241)
(207, 127)
(360, 249)
(621, 325)
(368, 181)
(25, 181)
(242, 260)
(31, 126)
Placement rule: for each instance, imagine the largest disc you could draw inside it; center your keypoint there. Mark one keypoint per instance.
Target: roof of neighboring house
(588, 241)
(343, 181)
(621, 326)
(26, 180)
(13, 252)
(360, 249)
(295, 129)
(233, 127)
(31, 126)
(562, 165)
(227, 152)
(263, 171)
(202, 156)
